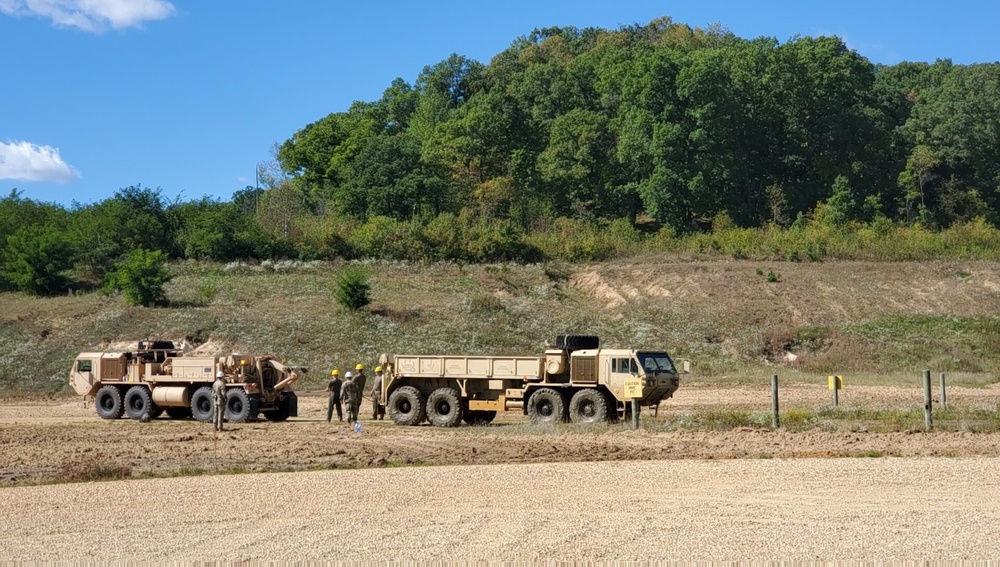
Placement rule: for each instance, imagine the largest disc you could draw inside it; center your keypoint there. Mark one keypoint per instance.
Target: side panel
(112, 367)
(468, 366)
(197, 369)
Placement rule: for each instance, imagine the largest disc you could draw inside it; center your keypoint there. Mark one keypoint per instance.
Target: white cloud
(91, 15)
(25, 161)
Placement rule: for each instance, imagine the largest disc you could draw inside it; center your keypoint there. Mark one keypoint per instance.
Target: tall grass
(472, 239)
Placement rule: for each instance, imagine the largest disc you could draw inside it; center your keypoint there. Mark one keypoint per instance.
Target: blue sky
(190, 95)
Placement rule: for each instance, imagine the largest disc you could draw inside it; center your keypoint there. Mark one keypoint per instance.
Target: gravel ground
(881, 509)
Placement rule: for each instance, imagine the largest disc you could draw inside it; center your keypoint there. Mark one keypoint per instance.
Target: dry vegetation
(881, 323)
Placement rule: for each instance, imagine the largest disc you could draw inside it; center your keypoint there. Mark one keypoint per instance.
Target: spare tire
(577, 342)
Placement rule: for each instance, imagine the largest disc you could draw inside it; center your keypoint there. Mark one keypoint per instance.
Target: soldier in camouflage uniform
(351, 398)
(378, 408)
(359, 380)
(219, 399)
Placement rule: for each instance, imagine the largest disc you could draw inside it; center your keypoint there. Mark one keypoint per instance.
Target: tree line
(571, 137)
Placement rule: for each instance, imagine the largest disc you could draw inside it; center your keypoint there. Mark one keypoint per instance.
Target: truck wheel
(577, 342)
(237, 405)
(444, 407)
(138, 402)
(588, 406)
(178, 413)
(201, 404)
(406, 406)
(546, 406)
(108, 402)
(479, 417)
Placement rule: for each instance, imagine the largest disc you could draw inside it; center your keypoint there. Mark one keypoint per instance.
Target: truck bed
(437, 366)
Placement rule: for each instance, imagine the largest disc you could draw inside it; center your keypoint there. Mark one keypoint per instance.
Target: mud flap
(292, 402)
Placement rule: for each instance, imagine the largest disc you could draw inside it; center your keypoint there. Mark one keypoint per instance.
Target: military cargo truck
(576, 381)
(157, 378)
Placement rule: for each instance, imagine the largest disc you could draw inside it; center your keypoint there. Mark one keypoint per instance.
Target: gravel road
(874, 509)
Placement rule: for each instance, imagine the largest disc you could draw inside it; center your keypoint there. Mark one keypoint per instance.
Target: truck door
(622, 368)
(82, 376)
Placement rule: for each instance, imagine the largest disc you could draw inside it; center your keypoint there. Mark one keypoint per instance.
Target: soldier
(359, 380)
(350, 395)
(378, 410)
(219, 399)
(334, 402)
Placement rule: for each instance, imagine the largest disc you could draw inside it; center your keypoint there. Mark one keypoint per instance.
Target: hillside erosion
(731, 317)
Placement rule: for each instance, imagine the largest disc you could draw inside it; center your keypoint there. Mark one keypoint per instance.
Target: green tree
(352, 289)
(140, 276)
(36, 258)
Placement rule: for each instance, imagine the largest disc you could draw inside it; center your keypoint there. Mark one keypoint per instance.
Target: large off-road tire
(138, 402)
(546, 406)
(278, 414)
(577, 342)
(178, 412)
(588, 406)
(479, 417)
(108, 402)
(444, 407)
(238, 406)
(202, 405)
(406, 406)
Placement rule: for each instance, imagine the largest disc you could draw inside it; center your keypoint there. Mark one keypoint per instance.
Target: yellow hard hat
(335, 373)
(359, 367)
(378, 369)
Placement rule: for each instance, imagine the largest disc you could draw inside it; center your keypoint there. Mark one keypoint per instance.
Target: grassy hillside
(737, 320)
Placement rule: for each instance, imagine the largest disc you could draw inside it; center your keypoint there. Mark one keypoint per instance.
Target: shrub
(35, 259)
(352, 288)
(141, 277)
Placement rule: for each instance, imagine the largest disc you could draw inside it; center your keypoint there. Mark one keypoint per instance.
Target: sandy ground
(511, 491)
(887, 509)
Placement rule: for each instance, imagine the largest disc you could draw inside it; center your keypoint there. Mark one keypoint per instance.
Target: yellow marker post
(835, 383)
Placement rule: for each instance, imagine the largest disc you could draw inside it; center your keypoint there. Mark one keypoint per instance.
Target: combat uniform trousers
(378, 410)
(219, 412)
(352, 410)
(334, 403)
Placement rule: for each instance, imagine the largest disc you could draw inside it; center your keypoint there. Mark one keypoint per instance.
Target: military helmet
(335, 372)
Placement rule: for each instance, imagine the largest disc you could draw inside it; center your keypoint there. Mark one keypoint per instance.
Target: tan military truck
(577, 380)
(157, 378)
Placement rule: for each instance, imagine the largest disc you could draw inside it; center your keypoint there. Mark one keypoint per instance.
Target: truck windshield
(655, 362)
